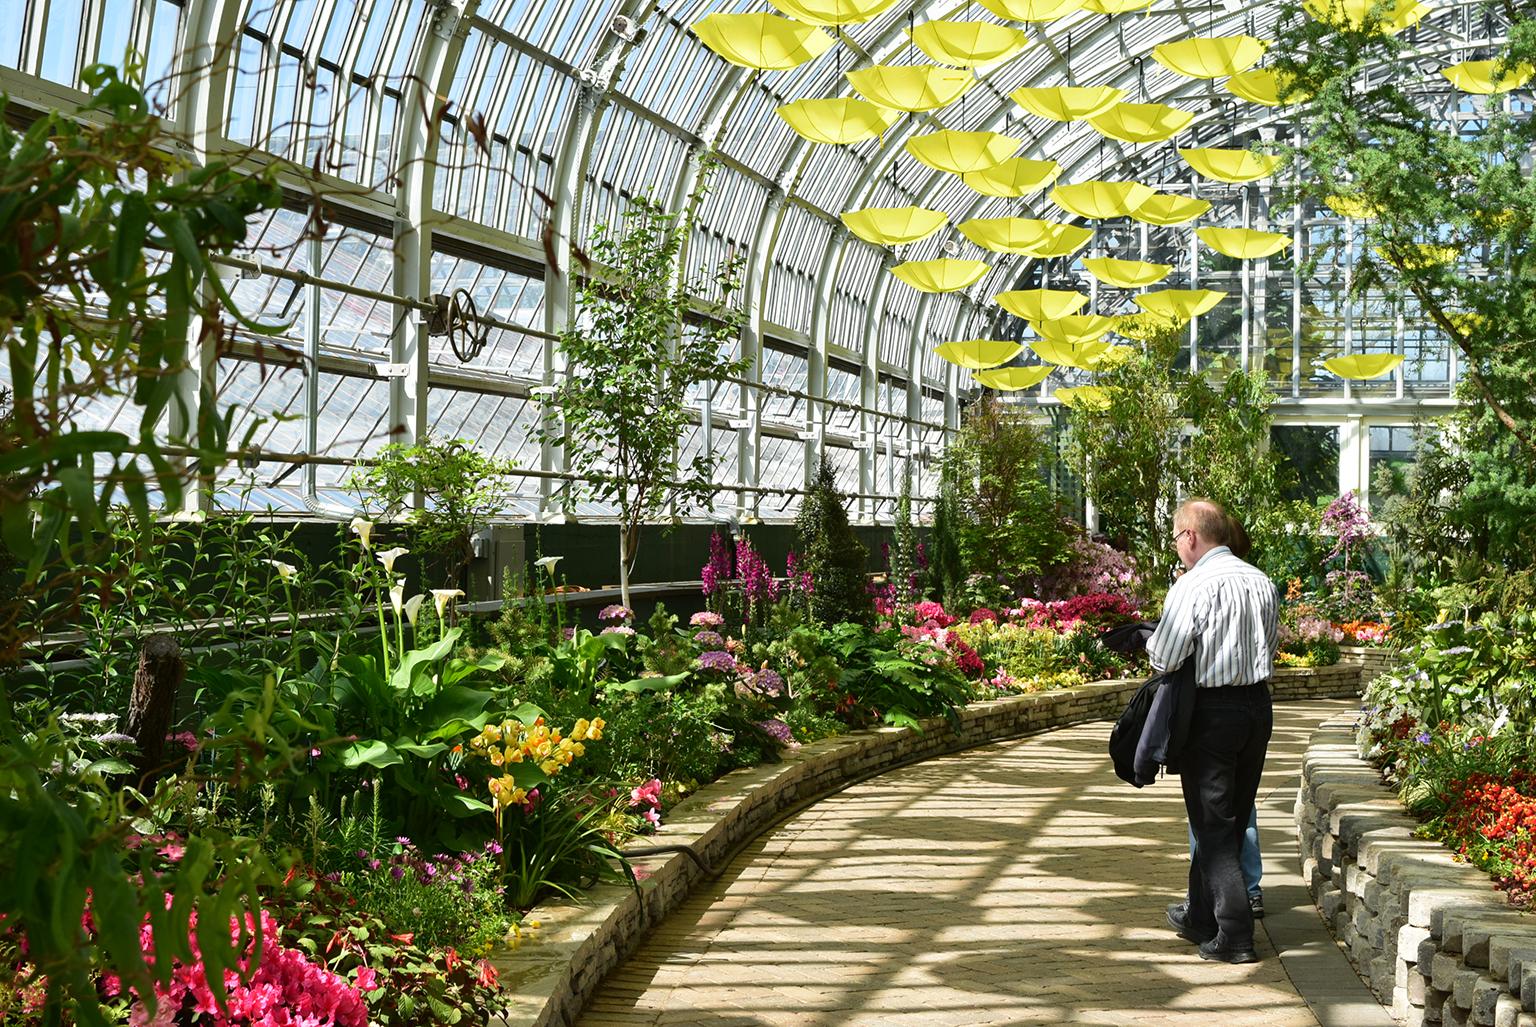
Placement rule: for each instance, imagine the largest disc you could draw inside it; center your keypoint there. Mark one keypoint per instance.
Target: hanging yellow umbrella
(1179, 305)
(837, 121)
(961, 152)
(1067, 103)
(1478, 77)
(1115, 6)
(1141, 122)
(1230, 165)
(1210, 56)
(1091, 398)
(1263, 86)
(1032, 10)
(894, 226)
(1394, 15)
(1073, 328)
(911, 87)
(968, 44)
(1080, 355)
(1243, 243)
(942, 275)
(1168, 209)
(1060, 241)
(1126, 274)
(832, 12)
(1099, 199)
(1422, 255)
(1012, 379)
(1354, 207)
(976, 354)
(1005, 235)
(762, 41)
(1112, 357)
(1041, 304)
(1145, 325)
(1016, 176)
(1363, 365)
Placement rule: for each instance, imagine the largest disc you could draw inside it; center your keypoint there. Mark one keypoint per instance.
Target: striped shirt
(1223, 610)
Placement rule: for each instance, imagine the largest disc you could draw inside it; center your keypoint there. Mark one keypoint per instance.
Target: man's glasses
(1179, 534)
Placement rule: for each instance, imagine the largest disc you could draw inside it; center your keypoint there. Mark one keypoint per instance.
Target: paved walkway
(1021, 883)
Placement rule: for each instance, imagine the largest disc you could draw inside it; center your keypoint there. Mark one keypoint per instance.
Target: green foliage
(904, 548)
(560, 846)
(897, 680)
(460, 487)
(1228, 458)
(946, 568)
(832, 553)
(1003, 517)
(635, 352)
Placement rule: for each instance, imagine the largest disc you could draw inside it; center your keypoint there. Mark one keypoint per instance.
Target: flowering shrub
(1364, 632)
(512, 744)
(442, 900)
(1095, 611)
(779, 732)
(1091, 567)
(983, 614)
(706, 618)
(645, 800)
(931, 611)
(616, 613)
(966, 658)
(1491, 820)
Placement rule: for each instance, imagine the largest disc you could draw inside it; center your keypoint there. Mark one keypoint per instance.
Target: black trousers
(1219, 774)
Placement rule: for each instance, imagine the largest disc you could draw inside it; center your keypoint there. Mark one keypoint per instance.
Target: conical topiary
(832, 553)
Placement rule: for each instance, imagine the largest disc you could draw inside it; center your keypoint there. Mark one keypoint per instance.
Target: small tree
(904, 548)
(832, 553)
(637, 350)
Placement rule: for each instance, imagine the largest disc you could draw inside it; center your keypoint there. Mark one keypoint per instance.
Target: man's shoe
(1256, 904)
(1178, 919)
(1222, 954)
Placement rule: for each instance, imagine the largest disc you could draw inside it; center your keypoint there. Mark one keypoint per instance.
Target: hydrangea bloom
(768, 682)
(706, 619)
(616, 613)
(709, 640)
(717, 659)
(778, 731)
(618, 629)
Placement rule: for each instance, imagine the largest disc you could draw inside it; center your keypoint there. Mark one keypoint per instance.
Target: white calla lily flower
(397, 596)
(412, 607)
(286, 571)
(389, 556)
(547, 564)
(444, 596)
(364, 530)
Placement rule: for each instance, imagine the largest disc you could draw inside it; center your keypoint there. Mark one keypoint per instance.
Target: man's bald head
(1207, 519)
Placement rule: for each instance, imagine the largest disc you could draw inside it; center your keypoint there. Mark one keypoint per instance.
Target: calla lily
(286, 571)
(389, 556)
(413, 608)
(397, 596)
(547, 563)
(364, 530)
(443, 596)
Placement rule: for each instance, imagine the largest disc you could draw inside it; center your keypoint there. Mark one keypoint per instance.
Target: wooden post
(156, 683)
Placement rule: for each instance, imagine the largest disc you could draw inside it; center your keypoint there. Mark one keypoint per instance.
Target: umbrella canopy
(1098, 199)
(1086, 397)
(1168, 209)
(961, 152)
(1141, 122)
(894, 226)
(1230, 165)
(1179, 304)
(764, 42)
(968, 44)
(1243, 243)
(1394, 15)
(1016, 176)
(1012, 379)
(942, 275)
(1479, 77)
(1061, 241)
(1422, 255)
(1080, 355)
(1074, 329)
(1066, 103)
(1041, 304)
(1032, 10)
(1263, 86)
(911, 87)
(976, 354)
(1126, 274)
(1008, 235)
(1363, 365)
(1354, 207)
(832, 12)
(1210, 56)
(837, 121)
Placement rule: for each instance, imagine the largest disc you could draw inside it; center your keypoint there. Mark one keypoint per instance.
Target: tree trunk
(624, 564)
(156, 683)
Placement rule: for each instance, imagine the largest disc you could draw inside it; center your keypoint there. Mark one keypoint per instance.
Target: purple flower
(719, 570)
(397, 872)
(717, 659)
(618, 629)
(778, 730)
(768, 682)
(617, 612)
(1456, 650)
(709, 640)
(1423, 738)
(706, 619)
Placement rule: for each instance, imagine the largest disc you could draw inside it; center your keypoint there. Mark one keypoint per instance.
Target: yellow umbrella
(1141, 122)
(837, 121)
(1092, 398)
(1478, 77)
(763, 41)
(975, 354)
(1112, 357)
(1115, 6)
(1363, 365)
(1016, 176)
(1101, 199)
(911, 87)
(1394, 15)
(1073, 328)
(968, 44)
(1230, 165)
(1354, 207)
(961, 152)
(1168, 209)
(1263, 86)
(1012, 379)
(1210, 56)
(1066, 103)
(894, 226)
(942, 275)
(1040, 304)
(1145, 325)
(1032, 10)
(1080, 355)
(1179, 304)
(1423, 255)
(1060, 241)
(1005, 235)
(1243, 243)
(1126, 274)
(832, 12)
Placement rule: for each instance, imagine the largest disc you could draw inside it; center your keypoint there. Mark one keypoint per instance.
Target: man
(1223, 611)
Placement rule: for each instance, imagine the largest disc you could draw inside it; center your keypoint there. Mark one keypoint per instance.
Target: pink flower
(652, 816)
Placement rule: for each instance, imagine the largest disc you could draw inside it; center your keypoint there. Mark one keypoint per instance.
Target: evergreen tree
(832, 553)
(904, 549)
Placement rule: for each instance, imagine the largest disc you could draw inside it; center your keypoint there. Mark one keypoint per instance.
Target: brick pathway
(1021, 883)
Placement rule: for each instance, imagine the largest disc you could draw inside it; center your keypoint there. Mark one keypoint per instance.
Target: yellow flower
(496, 758)
(579, 732)
(491, 733)
(579, 749)
(550, 767)
(514, 755)
(595, 732)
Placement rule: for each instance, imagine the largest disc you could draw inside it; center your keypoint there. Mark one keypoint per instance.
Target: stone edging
(555, 970)
(1372, 660)
(1433, 939)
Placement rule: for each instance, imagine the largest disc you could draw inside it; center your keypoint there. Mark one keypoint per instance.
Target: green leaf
(375, 753)
(655, 684)
(402, 681)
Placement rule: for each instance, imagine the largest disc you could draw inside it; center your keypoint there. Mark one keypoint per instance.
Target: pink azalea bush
(1092, 567)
